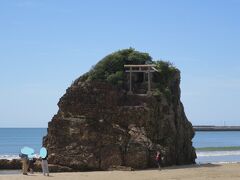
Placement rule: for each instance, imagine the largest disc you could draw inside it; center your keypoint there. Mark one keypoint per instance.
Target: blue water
(216, 139)
(217, 147)
(13, 139)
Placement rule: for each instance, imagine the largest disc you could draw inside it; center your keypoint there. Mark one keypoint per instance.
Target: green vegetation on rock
(111, 67)
(111, 70)
(164, 77)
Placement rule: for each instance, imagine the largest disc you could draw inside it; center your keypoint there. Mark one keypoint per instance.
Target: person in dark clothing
(31, 165)
(158, 159)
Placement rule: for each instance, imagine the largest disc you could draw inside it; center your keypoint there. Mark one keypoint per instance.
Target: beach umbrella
(43, 152)
(27, 150)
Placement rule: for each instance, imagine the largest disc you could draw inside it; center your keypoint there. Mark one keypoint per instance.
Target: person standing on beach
(158, 159)
(24, 159)
(45, 166)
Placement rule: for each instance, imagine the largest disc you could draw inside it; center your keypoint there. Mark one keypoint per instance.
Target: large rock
(98, 126)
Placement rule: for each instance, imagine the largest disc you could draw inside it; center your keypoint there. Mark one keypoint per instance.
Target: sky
(47, 44)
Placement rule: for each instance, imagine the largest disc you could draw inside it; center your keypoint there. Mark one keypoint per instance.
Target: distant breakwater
(216, 128)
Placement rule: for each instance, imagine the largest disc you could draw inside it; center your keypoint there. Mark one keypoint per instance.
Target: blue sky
(45, 45)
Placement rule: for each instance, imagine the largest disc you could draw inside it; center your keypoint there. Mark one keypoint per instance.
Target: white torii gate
(145, 68)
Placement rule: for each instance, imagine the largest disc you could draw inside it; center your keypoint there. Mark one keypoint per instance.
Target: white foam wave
(9, 157)
(225, 162)
(218, 153)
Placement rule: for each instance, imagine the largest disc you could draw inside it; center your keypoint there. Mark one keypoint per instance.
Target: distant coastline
(216, 128)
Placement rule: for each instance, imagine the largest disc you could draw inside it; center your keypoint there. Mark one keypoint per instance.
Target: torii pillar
(149, 82)
(130, 92)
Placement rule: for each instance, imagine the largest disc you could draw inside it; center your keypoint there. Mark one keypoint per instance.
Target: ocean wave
(225, 162)
(9, 157)
(217, 153)
(226, 148)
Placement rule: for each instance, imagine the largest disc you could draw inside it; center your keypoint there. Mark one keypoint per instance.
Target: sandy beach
(196, 172)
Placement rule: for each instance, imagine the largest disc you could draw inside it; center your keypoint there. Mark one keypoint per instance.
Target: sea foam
(9, 157)
(217, 153)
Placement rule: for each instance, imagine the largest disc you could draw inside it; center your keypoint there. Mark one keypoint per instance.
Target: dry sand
(196, 172)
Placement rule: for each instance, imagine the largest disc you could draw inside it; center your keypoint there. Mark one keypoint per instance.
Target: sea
(211, 147)
(13, 139)
(217, 146)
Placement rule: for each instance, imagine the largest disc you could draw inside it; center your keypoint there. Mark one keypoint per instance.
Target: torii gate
(145, 68)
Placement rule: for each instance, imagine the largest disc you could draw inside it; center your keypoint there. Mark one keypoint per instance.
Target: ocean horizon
(211, 146)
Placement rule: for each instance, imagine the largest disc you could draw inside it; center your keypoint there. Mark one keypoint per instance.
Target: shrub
(116, 78)
(111, 67)
(166, 72)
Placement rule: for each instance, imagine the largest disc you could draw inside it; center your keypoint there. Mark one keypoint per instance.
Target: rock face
(98, 126)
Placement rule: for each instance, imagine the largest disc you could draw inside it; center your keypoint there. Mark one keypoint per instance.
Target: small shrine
(144, 68)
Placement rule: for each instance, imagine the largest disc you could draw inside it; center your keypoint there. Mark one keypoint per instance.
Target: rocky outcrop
(52, 168)
(16, 164)
(10, 164)
(98, 126)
